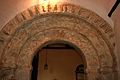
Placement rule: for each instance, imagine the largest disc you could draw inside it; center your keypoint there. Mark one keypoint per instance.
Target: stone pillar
(115, 74)
(7, 73)
(23, 73)
(92, 74)
(107, 73)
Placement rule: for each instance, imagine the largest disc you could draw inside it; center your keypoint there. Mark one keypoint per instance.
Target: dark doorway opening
(35, 67)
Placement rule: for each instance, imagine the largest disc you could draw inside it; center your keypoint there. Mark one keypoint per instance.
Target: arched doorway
(24, 34)
(58, 60)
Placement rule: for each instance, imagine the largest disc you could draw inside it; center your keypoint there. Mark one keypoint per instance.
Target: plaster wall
(61, 64)
(9, 8)
(116, 19)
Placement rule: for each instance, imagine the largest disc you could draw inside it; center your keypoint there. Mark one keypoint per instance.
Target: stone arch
(67, 37)
(67, 22)
(76, 49)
